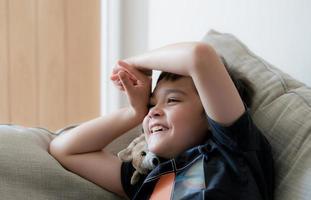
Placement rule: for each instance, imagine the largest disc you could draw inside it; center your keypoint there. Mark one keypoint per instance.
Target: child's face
(178, 110)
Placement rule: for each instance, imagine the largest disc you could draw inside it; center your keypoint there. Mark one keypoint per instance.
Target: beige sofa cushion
(28, 171)
(281, 109)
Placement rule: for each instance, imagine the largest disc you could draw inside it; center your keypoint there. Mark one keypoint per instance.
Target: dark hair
(243, 85)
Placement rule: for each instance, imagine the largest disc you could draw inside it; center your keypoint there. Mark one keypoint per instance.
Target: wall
(278, 30)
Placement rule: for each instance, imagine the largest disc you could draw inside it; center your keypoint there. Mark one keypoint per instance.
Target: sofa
(281, 109)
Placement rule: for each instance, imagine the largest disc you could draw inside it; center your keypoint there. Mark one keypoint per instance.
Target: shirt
(235, 163)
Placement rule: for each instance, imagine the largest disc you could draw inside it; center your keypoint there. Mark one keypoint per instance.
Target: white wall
(277, 30)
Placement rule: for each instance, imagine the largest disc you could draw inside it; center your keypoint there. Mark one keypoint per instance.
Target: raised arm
(218, 94)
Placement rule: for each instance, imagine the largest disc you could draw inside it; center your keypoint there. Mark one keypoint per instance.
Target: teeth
(157, 128)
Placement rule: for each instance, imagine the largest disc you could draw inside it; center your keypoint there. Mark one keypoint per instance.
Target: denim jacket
(234, 163)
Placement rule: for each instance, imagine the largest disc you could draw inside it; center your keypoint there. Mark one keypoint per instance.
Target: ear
(125, 154)
(140, 138)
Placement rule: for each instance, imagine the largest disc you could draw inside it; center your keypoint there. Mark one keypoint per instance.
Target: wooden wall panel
(4, 65)
(22, 55)
(51, 62)
(83, 67)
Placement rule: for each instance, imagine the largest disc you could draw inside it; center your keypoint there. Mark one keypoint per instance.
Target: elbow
(203, 54)
(55, 149)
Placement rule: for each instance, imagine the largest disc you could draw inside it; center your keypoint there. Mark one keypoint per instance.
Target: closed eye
(172, 100)
(169, 100)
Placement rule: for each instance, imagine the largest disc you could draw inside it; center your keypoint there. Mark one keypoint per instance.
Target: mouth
(157, 129)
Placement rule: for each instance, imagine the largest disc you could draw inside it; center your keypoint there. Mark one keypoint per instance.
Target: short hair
(243, 85)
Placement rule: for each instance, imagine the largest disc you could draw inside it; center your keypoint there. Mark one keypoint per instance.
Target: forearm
(96, 134)
(175, 58)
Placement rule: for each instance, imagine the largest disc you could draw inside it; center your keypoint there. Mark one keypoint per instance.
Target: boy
(196, 123)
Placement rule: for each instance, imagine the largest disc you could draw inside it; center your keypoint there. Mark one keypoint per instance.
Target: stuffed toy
(142, 160)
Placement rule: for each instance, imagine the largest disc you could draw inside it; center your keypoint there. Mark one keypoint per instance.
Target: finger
(121, 65)
(118, 84)
(121, 88)
(130, 76)
(114, 77)
(125, 81)
(116, 80)
(125, 66)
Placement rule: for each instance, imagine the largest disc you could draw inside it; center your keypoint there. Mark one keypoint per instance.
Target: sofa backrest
(282, 111)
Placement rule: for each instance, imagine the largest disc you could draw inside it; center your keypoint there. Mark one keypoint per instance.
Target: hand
(122, 66)
(135, 83)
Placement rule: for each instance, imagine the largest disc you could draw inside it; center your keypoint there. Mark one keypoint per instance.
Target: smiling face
(175, 121)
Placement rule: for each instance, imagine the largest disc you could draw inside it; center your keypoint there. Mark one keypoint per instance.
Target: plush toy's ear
(125, 154)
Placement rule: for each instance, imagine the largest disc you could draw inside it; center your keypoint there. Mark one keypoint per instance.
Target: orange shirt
(163, 188)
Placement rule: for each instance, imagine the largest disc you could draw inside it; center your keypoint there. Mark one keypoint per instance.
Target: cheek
(186, 119)
(145, 124)
(180, 116)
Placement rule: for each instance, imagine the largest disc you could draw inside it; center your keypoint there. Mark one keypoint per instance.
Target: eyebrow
(169, 91)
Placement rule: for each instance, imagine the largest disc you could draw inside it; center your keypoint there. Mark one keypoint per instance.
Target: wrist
(137, 114)
(130, 61)
(138, 63)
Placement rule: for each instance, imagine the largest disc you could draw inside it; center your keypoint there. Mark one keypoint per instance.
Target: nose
(155, 161)
(155, 111)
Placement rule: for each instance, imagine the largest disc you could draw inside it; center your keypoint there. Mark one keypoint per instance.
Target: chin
(156, 150)
(161, 152)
